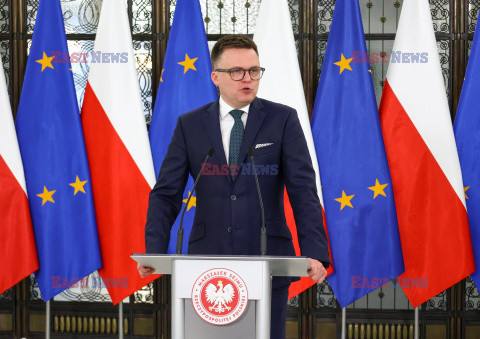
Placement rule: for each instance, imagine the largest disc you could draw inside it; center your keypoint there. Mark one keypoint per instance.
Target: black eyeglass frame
(262, 69)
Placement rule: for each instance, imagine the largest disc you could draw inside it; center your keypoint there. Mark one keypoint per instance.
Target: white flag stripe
(282, 81)
(8, 141)
(116, 86)
(425, 99)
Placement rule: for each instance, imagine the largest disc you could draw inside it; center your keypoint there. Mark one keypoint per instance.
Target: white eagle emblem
(219, 298)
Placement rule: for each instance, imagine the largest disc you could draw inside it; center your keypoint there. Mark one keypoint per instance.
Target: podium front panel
(198, 313)
(197, 328)
(188, 272)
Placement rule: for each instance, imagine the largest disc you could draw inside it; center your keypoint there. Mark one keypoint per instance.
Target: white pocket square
(263, 145)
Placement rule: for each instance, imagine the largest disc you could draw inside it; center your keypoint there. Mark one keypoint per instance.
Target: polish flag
(118, 152)
(423, 160)
(282, 83)
(18, 253)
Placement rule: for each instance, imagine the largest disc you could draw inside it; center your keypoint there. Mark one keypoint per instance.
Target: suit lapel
(211, 118)
(254, 121)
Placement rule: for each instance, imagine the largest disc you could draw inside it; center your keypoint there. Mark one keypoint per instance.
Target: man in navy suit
(227, 216)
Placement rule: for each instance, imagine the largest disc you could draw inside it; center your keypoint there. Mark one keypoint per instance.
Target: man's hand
(146, 271)
(317, 271)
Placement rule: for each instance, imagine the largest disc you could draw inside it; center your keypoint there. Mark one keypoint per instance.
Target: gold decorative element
(67, 323)
(85, 324)
(62, 323)
(220, 5)
(369, 4)
(234, 19)
(55, 323)
(109, 325)
(383, 19)
(114, 325)
(396, 4)
(247, 5)
(97, 325)
(207, 19)
(125, 325)
(90, 324)
(74, 324)
(102, 325)
(79, 321)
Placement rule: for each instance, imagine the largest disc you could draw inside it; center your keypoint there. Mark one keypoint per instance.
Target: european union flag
(185, 84)
(467, 137)
(357, 188)
(55, 161)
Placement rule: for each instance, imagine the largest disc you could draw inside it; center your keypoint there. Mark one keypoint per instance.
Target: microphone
(210, 152)
(263, 231)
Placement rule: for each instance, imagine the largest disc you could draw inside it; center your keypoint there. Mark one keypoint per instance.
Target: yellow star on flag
(378, 189)
(344, 64)
(192, 203)
(46, 61)
(345, 200)
(188, 63)
(46, 195)
(78, 185)
(465, 189)
(161, 75)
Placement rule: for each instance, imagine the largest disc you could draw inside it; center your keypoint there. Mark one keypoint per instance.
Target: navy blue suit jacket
(227, 214)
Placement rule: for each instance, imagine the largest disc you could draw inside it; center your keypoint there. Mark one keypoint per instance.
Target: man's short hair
(231, 41)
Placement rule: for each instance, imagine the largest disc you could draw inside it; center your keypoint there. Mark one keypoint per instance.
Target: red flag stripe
(120, 193)
(432, 220)
(18, 255)
(304, 283)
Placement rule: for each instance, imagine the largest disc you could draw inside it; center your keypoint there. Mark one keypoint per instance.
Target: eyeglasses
(238, 73)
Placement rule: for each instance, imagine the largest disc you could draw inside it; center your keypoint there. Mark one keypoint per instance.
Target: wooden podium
(222, 296)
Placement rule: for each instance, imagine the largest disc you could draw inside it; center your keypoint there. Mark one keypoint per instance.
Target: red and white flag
(282, 83)
(118, 152)
(18, 253)
(423, 160)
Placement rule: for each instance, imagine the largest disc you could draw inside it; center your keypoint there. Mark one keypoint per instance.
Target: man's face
(237, 94)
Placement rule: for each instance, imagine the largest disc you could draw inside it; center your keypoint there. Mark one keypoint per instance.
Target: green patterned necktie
(236, 138)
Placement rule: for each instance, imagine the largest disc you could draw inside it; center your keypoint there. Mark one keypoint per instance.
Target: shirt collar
(225, 108)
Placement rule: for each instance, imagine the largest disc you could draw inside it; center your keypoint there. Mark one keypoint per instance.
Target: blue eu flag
(467, 137)
(185, 84)
(55, 161)
(357, 188)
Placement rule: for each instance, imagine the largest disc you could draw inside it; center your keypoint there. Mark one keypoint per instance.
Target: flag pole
(120, 320)
(344, 323)
(48, 316)
(417, 335)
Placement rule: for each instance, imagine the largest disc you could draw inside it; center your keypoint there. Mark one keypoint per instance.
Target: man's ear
(215, 78)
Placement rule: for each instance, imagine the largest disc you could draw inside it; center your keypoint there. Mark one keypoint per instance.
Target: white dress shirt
(227, 121)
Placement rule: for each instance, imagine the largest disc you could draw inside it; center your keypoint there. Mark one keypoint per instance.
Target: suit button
(229, 229)
(233, 197)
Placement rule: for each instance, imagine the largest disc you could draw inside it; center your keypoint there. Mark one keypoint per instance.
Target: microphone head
(250, 151)
(211, 150)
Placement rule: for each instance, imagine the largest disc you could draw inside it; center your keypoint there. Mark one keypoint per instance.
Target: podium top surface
(279, 266)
